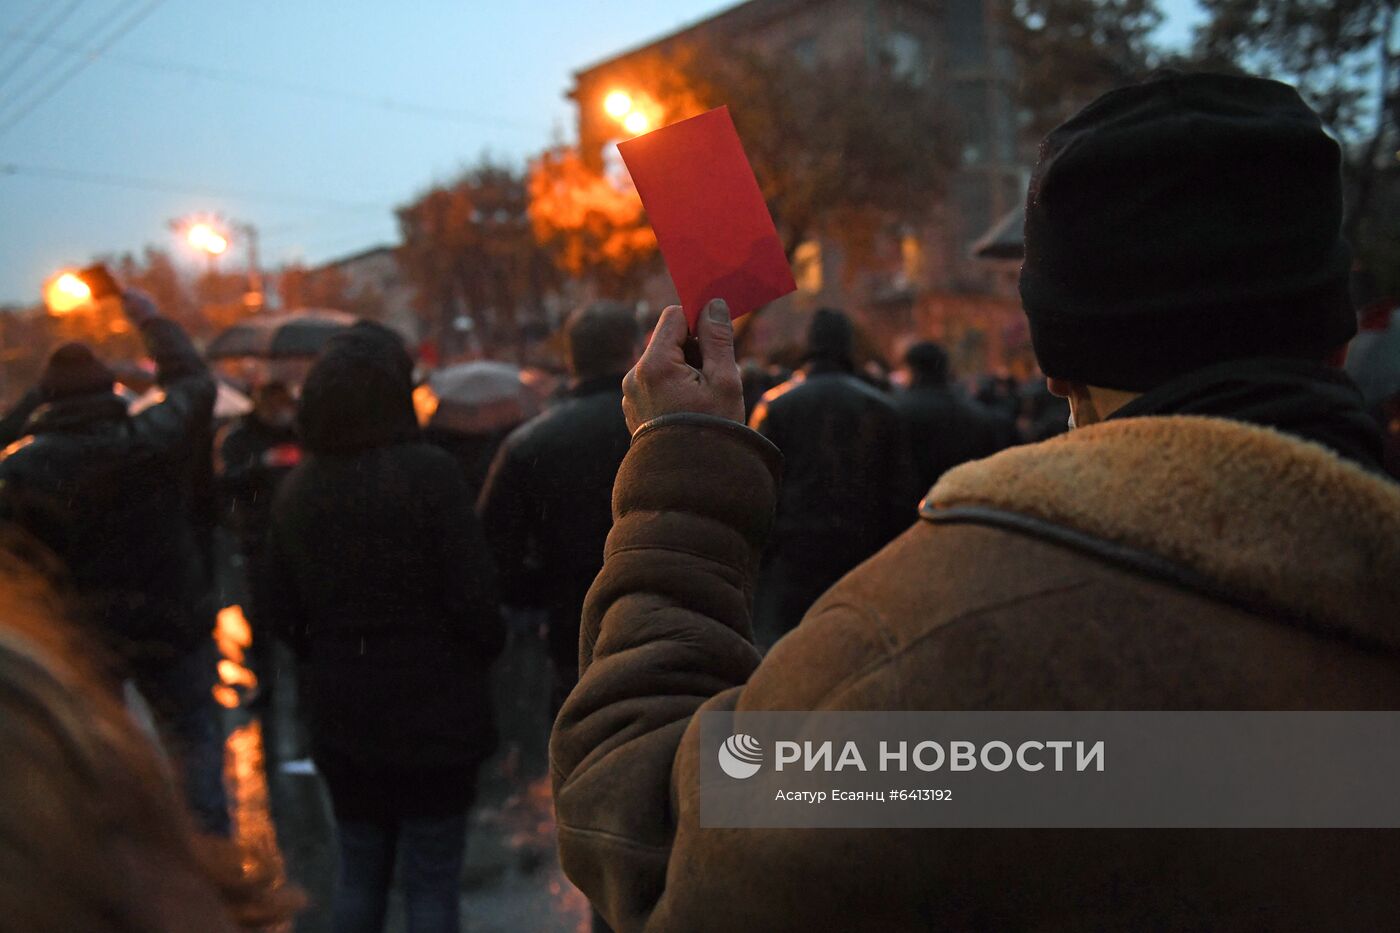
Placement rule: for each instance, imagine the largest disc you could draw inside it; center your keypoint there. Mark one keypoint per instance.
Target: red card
(709, 216)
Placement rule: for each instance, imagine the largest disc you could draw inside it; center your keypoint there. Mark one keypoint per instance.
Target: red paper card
(710, 219)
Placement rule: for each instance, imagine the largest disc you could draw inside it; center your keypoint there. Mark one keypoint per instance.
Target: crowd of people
(1219, 533)
(368, 551)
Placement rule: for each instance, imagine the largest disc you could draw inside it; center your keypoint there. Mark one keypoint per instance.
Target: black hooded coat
(110, 495)
(375, 570)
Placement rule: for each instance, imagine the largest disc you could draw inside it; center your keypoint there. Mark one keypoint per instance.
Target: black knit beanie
(74, 370)
(1184, 221)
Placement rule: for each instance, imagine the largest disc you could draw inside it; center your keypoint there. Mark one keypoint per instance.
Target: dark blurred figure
(1389, 416)
(1000, 393)
(547, 502)
(757, 379)
(252, 456)
(945, 429)
(95, 838)
(255, 453)
(376, 572)
(473, 452)
(848, 485)
(109, 494)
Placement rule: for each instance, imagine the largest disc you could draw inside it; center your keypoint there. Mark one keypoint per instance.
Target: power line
(156, 184)
(130, 23)
(40, 39)
(298, 88)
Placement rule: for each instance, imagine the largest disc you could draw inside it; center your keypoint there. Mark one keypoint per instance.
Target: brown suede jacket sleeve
(665, 628)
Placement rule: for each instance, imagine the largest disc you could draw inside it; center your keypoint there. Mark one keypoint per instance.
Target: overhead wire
(90, 54)
(40, 39)
(156, 184)
(298, 88)
(12, 118)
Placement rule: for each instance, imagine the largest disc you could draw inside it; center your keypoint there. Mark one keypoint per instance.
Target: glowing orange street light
(618, 104)
(206, 239)
(636, 123)
(66, 292)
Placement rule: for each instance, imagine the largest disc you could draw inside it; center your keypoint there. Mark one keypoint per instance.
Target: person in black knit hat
(1215, 535)
(110, 495)
(1183, 244)
(72, 370)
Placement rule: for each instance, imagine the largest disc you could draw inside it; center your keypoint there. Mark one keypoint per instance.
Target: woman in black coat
(376, 572)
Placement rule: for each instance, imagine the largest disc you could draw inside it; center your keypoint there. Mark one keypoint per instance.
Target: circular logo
(740, 756)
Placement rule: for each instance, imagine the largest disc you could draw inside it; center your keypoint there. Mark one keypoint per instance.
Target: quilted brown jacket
(1150, 563)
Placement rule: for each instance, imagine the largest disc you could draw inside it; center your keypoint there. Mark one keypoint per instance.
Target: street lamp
(626, 112)
(210, 238)
(618, 104)
(206, 239)
(66, 292)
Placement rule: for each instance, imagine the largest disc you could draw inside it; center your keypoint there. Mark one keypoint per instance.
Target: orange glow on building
(636, 123)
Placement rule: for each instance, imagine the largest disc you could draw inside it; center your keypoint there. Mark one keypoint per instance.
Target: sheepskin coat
(1170, 562)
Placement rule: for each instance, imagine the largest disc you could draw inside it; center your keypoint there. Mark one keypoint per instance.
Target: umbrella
(1373, 361)
(479, 397)
(273, 336)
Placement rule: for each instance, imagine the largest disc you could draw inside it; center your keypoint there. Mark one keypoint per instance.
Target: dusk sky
(308, 118)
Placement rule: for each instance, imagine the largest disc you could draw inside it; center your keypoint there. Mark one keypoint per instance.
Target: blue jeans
(432, 850)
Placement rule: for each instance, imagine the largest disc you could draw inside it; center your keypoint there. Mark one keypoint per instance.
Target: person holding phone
(108, 495)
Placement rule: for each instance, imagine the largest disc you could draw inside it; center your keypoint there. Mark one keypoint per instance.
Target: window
(911, 253)
(807, 267)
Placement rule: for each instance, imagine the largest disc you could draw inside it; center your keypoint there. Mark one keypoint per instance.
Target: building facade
(952, 44)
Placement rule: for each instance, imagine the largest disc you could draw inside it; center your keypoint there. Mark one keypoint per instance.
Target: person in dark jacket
(253, 454)
(375, 571)
(107, 493)
(1215, 534)
(945, 428)
(546, 503)
(848, 486)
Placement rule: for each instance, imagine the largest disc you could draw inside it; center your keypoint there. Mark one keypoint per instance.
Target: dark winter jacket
(546, 507)
(946, 429)
(108, 493)
(848, 487)
(376, 572)
(247, 483)
(1160, 562)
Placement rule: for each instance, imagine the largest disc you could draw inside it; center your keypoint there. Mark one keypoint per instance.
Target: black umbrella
(278, 336)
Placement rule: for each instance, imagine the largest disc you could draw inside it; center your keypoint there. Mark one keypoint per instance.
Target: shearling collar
(1264, 518)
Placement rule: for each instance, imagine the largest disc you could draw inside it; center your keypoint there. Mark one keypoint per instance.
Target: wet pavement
(512, 880)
